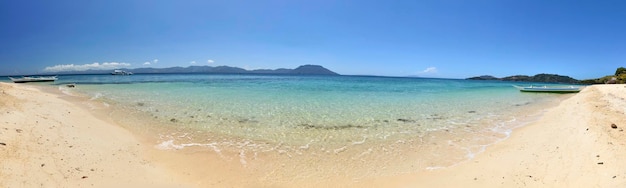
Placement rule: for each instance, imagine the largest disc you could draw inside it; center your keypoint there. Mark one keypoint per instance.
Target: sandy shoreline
(572, 145)
(50, 142)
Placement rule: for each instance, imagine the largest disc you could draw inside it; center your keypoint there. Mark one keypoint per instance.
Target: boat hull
(550, 91)
(33, 79)
(544, 89)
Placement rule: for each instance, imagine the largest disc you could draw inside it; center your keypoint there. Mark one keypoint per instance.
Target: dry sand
(50, 142)
(572, 145)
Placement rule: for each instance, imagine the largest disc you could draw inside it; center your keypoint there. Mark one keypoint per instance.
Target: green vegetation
(484, 77)
(548, 78)
(618, 78)
(620, 71)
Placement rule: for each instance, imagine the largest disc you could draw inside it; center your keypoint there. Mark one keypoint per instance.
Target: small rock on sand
(613, 126)
(406, 120)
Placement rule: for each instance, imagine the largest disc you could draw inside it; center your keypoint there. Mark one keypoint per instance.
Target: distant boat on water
(121, 72)
(25, 79)
(551, 89)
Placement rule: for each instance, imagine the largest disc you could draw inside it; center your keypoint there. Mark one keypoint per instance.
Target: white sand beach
(572, 145)
(51, 142)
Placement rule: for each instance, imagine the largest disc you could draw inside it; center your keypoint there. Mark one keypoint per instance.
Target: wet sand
(573, 145)
(52, 142)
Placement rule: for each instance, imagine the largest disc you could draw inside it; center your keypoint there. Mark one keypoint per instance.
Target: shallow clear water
(397, 123)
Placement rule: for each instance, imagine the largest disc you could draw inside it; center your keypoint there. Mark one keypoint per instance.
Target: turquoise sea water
(394, 125)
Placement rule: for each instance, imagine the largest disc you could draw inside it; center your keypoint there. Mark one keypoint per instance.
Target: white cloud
(192, 62)
(429, 70)
(210, 61)
(93, 66)
(155, 61)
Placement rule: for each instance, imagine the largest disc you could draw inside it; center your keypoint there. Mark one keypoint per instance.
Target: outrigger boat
(25, 79)
(551, 89)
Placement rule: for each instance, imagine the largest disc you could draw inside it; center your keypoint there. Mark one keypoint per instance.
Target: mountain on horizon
(301, 70)
(547, 78)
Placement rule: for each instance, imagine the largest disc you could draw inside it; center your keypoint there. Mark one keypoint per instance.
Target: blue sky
(439, 38)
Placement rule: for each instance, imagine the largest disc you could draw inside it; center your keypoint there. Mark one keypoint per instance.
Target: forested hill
(548, 78)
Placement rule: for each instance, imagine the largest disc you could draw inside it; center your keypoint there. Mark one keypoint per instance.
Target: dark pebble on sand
(613, 126)
(18, 130)
(84, 177)
(406, 120)
(42, 164)
(174, 120)
(471, 111)
(600, 163)
(2, 143)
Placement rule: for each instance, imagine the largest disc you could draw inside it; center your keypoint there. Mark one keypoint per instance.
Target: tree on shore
(620, 70)
(618, 78)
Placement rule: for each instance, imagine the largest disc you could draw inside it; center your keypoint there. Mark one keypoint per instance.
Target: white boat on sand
(25, 79)
(550, 89)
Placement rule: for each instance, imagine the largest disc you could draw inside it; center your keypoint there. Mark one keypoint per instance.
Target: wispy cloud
(192, 62)
(155, 61)
(210, 61)
(83, 67)
(429, 70)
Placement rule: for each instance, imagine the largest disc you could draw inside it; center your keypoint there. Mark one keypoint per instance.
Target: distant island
(301, 70)
(548, 78)
(618, 78)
